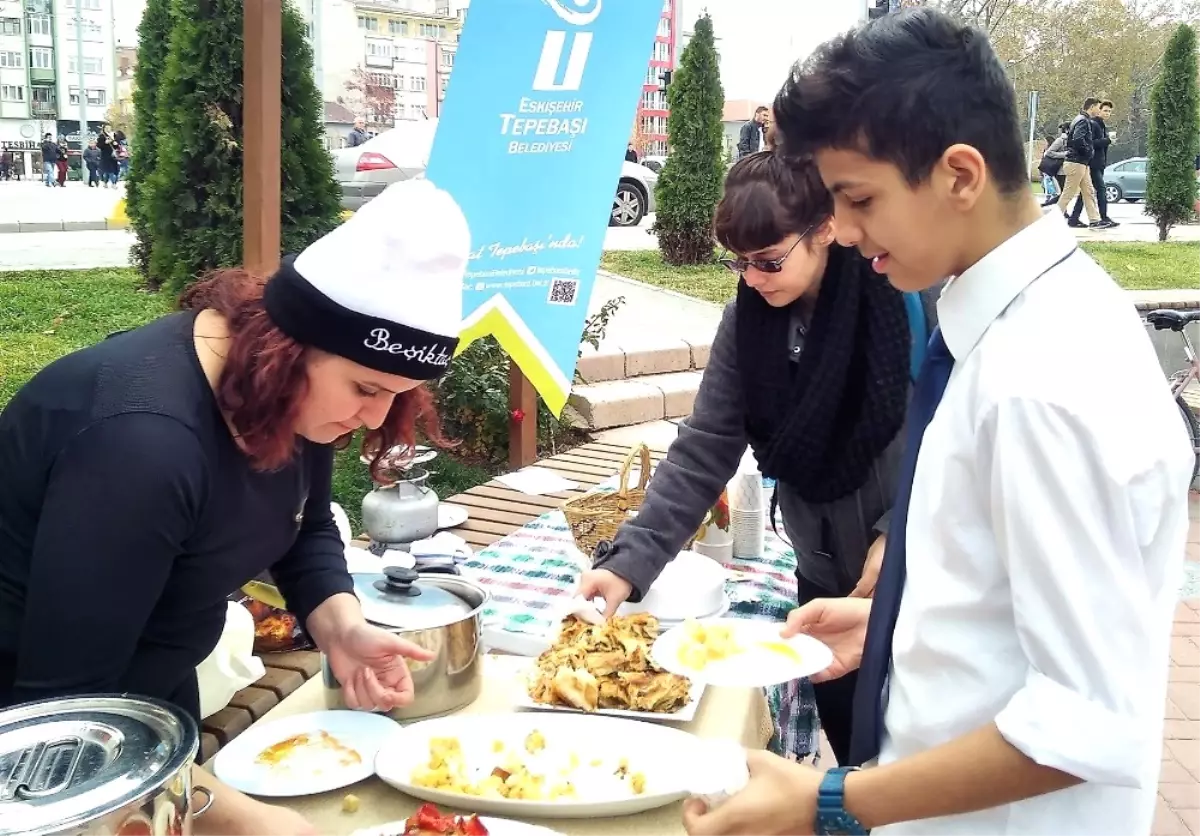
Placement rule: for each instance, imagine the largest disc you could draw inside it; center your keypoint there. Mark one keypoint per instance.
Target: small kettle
(401, 512)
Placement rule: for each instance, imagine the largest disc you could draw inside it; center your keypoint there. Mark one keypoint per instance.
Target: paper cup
(749, 532)
(746, 491)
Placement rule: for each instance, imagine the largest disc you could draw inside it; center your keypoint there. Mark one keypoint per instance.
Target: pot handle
(208, 801)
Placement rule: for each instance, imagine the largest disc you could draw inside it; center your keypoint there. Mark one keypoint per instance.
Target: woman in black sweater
(149, 476)
(811, 366)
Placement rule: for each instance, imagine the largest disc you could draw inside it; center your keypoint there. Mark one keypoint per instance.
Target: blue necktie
(877, 650)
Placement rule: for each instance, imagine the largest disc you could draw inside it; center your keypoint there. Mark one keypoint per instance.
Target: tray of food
(275, 630)
(544, 765)
(606, 669)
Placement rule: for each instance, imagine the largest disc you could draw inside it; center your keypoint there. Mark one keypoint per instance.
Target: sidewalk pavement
(1178, 812)
(29, 206)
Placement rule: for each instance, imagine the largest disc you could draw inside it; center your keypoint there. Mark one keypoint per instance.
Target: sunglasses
(773, 265)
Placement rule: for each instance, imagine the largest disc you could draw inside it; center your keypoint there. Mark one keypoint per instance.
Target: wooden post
(262, 123)
(522, 434)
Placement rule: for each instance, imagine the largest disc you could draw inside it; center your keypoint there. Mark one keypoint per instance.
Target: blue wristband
(832, 818)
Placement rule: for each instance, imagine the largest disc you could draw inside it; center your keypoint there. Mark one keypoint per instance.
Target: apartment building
(57, 58)
(653, 112)
(384, 60)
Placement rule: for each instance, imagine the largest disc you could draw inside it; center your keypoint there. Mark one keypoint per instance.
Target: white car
(402, 153)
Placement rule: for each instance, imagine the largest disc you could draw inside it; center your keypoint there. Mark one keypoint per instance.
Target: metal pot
(98, 766)
(442, 613)
(403, 512)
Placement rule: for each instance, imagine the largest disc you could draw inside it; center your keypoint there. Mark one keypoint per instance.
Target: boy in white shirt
(1012, 664)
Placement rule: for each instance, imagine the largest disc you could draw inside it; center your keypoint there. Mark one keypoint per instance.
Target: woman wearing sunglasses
(811, 366)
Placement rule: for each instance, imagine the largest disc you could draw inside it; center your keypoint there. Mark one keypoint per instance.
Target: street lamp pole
(82, 86)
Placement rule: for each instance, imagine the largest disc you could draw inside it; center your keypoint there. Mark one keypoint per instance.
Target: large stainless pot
(98, 766)
(442, 613)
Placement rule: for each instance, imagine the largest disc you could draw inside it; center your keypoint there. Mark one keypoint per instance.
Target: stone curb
(63, 226)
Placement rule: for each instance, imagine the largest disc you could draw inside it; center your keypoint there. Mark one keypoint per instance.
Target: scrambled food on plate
(607, 665)
(429, 821)
(312, 751)
(704, 643)
(531, 773)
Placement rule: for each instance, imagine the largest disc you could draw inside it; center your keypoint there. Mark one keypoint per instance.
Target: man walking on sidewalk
(49, 160)
(1080, 150)
(1100, 142)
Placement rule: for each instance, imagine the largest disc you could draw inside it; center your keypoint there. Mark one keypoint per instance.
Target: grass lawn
(44, 315)
(1135, 266)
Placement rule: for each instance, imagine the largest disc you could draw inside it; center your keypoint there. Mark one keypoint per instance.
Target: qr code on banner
(563, 291)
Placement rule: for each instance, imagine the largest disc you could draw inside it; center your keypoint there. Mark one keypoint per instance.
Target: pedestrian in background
(1080, 148)
(49, 159)
(1052, 164)
(61, 163)
(359, 135)
(91, 161)
(1101, 139)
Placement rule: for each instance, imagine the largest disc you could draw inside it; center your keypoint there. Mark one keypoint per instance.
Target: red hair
(265, 381)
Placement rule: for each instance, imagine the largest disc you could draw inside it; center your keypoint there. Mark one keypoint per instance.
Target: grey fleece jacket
(830, 539)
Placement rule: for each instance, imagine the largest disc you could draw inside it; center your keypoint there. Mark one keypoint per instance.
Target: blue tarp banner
(530, 143)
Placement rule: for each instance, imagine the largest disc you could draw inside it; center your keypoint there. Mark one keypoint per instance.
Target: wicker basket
(597, 516)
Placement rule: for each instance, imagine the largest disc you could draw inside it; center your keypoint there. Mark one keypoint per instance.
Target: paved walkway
(1178, 812)
(28, 202)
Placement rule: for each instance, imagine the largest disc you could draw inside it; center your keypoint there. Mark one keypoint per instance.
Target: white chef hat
(384, 289)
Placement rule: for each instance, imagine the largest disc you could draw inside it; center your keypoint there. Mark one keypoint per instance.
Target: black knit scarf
(818, 424)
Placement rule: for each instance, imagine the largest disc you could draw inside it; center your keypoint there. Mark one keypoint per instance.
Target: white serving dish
(672, 761)
(690, 586)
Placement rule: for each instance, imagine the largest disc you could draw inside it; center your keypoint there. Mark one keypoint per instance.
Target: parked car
(1126, 180)
(654, 163)
(635, 195)
(402, 153)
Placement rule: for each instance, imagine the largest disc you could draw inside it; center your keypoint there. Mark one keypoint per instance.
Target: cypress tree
(1174, 134)
(690, 185)
(195, 206)
(154, 33)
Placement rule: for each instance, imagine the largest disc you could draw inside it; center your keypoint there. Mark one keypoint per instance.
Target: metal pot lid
(397, 598)
(65, 762)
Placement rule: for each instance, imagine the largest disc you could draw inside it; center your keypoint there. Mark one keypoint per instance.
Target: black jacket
(1080, 146)
(49, 152)
(750, 138)
(1100, 143)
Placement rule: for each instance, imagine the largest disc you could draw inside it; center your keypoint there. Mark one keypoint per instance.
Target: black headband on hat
(311, 318)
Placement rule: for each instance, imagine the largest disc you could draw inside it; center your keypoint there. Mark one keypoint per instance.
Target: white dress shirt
(1046, 537)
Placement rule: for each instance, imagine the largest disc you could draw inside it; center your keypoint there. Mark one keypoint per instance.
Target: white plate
(762, 661)
(451, 515)
(684, 715)
(308, 774)
(669, 758)
(495, 827)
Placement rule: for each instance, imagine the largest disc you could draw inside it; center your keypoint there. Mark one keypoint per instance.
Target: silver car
(1126, 180)
(402, 153)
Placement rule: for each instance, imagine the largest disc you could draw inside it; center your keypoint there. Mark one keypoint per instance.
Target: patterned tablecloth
(533, 571)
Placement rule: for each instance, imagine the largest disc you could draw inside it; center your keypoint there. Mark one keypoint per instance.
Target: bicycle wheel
(1193, 428)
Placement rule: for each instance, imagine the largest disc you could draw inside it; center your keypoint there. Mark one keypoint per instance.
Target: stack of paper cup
(747, 513)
